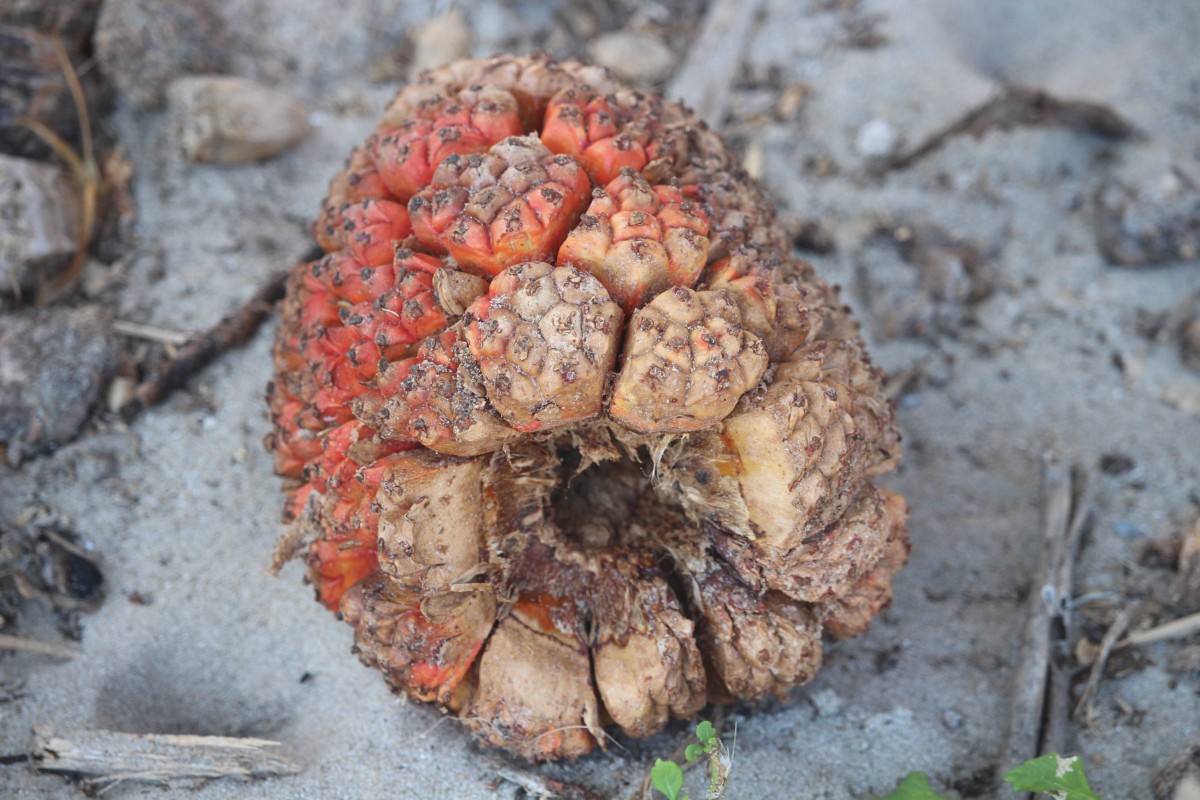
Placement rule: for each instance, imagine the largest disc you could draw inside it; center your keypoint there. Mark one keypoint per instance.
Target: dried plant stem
(26, 645)
(151, 333)
(1036, 689)
(1175, 629)
(82, 166)
(1083, 709)
(537, 785)
(1056, 720)
(232, 331)
(1017, 105)
(105, 757)
(1029, 680)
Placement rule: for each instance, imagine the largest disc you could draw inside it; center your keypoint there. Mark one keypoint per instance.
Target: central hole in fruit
(593, 507)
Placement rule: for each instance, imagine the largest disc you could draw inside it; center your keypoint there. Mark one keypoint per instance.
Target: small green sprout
(915, 786)
(1061, 778)
(667, 776)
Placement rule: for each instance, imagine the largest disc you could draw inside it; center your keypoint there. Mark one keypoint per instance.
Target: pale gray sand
(183, 508)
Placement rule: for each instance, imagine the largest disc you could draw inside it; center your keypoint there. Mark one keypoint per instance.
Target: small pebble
(230, 120)
(1188, 789)
(439, 41)
(635, 56)
(40, 212)
(791, 100)
(54, 364)
(120, 393)
(876, 140)
(1127, 530)
(1183, 396)
(827, 703)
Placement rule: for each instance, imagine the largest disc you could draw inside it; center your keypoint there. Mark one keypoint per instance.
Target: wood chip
(1185, 590)
(151, 333)
(705, 79)
(105, 757)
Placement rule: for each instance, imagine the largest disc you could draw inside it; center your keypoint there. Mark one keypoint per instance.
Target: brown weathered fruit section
(572, 439)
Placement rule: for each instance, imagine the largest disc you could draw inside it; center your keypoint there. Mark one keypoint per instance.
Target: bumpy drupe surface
(568, 436)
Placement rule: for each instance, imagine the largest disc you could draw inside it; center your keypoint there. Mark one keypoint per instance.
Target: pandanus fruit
(569, 436)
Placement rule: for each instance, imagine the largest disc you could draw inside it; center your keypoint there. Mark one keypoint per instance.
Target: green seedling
(1058, 777)
(667, 776)
(1053, 775)
(915, 786)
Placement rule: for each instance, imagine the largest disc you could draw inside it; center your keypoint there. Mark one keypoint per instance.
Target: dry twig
(105, 757)
(1016, 105)
(82, 166)
(1058, 702)
(536, 785)
(704, 80)
(1036, 689)
(24, 644)
(232, 331)
(153, 333)
(1083, 709)
(1175, 629)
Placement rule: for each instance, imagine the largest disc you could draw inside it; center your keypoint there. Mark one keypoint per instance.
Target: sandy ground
(1046, 353)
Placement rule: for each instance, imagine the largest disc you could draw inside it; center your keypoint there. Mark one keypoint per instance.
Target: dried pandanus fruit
(569, 437)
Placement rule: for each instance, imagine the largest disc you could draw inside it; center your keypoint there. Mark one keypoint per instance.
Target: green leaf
(1061, 778)
(915, 786)
(667, 777)
(693, 751)
(705, 731)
